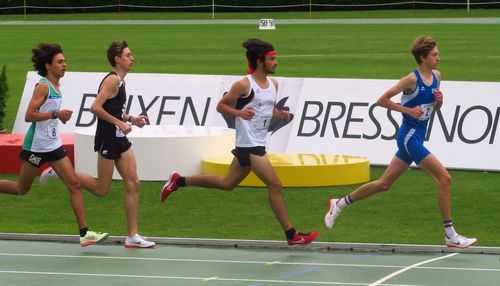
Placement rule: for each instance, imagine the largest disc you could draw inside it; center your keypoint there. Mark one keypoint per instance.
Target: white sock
(449, 229)
(343, 202)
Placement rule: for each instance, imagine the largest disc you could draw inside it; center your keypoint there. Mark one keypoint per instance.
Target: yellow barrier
(304, 170)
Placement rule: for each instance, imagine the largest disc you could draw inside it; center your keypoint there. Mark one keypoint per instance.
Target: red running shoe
(170, 186)
(302, 238)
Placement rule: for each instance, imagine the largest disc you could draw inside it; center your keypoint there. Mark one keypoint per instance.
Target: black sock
(181, 182)
(83, 231)
(290, 233)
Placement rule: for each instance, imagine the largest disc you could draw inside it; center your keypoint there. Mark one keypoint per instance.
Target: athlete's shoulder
(42, 86)
(410, 78)
(274, 81)
(242, 84)
(112, 78)
(110, 83)
(437, 74)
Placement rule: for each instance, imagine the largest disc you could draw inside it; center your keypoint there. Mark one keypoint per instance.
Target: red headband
(269, 53)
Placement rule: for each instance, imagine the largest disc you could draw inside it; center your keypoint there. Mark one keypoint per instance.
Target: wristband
(54, 114)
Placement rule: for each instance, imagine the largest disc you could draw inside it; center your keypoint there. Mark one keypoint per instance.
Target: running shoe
(138, 241)
(93, 237)
(48, 174)
(459, 241)
(332, 214)
(302, 238)
(170, 186)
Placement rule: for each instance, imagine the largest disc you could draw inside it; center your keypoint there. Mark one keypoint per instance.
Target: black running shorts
(113, 147)
(37, 159)
(243, 154)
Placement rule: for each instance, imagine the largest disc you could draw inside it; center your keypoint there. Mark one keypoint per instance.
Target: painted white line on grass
(359, 55)
(9, 22)
(383, 279)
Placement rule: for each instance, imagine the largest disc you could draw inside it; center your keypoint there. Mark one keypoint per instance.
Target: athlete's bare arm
(109, 89)
(406, 84)
(37, 99)
(438, 95)
(238, 89)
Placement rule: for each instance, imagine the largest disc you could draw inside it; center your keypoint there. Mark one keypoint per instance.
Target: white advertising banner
(340, 116)
(336, 116)
(165, 99)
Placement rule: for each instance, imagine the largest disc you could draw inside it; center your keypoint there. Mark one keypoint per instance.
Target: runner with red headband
(251, 101)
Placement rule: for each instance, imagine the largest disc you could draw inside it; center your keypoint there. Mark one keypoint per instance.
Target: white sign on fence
(267, 24)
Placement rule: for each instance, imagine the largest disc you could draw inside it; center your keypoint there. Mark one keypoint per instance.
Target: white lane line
(460, 268)
(181, 278)
(211, 278)
(99, 275)
(250, 262)
(200, 260)
(383, 279)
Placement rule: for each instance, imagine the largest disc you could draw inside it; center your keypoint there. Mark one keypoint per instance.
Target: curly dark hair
(44, 54)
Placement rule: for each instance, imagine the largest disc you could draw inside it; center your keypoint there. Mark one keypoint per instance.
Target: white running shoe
(48, 174)
(138, 241)
(459, 241)
(332, 214)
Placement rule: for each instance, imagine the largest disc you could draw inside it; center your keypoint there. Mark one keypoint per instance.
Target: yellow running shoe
(93, 237)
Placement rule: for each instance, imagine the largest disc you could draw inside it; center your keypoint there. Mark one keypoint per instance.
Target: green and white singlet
(43, 136)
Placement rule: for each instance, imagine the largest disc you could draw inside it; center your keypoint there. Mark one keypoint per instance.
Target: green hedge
(4, 88)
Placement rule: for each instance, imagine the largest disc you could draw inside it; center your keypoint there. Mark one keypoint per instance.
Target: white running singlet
(252, 133)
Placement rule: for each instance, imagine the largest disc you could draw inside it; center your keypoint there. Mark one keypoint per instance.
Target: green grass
(406, 214)
(468, 52)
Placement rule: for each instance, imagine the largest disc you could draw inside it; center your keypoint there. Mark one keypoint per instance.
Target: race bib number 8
(52, 132)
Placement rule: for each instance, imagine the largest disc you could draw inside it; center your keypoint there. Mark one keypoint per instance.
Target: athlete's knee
(101, 189)
(228, 186)
(21, 188)
(100, 192)
(22, 191)
(74, 185)
(275, 186)
(445, 180)
(133, 185)
(383, 186)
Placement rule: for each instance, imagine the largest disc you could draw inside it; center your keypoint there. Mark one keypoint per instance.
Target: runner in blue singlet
(421, 96)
